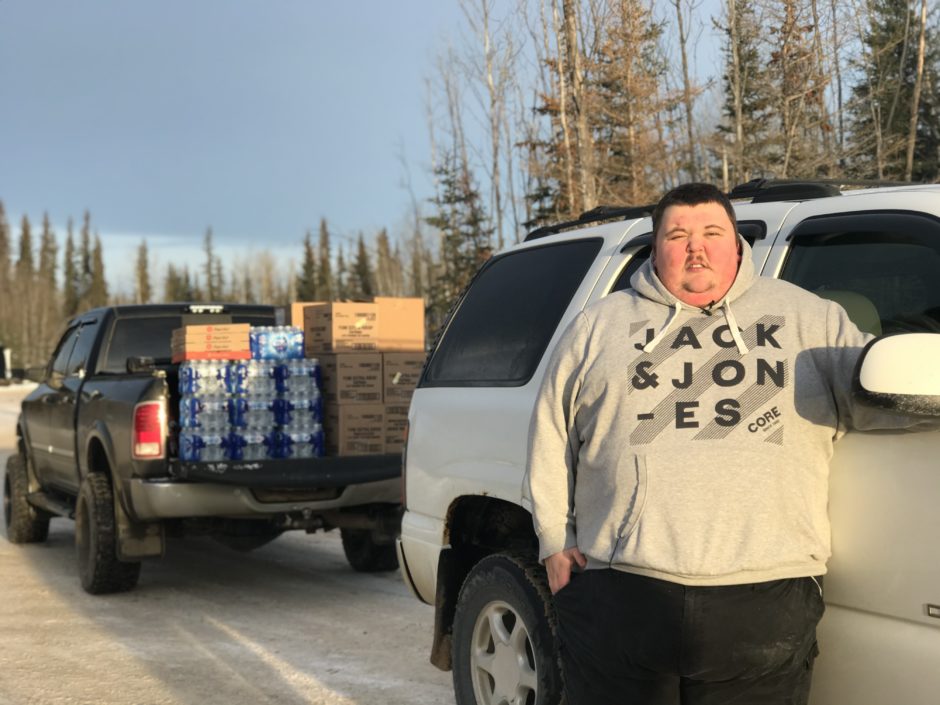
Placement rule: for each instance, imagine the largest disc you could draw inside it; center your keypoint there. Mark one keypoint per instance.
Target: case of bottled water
(299, 442)
(201, 377)
(208, 412)
(255, 411)
(267, 407)
(196, 445)
(276, 342)
(250, 444)
(297, 377)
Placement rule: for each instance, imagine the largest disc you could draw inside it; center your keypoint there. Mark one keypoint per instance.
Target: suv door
(880, 639)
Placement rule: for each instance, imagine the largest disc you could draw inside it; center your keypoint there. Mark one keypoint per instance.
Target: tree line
(546, 109)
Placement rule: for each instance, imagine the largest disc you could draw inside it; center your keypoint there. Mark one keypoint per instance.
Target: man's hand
(559, 566)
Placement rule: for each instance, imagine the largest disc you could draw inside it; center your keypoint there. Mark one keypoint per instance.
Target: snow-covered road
(288, 623)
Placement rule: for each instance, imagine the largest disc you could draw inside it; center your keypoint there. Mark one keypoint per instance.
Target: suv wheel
(364, 554)
(24, 523)
(96, 540)
(504, 644)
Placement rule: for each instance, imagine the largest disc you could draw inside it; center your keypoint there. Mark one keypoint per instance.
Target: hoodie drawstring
(733, 325)
(677, 307)
(650, 346)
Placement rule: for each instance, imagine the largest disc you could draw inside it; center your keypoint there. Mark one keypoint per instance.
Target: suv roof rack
(757, 190)
(767, 190)
(595, 215)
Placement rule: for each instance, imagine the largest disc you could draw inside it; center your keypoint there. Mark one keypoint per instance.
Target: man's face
(696, 253)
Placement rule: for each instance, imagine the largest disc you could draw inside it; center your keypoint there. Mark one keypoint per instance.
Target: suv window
(501, 328)
(891, 260)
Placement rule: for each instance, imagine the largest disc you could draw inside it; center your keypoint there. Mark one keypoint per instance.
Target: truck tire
(504, 646)
(365, 555)
(96, 540)
(24, 523)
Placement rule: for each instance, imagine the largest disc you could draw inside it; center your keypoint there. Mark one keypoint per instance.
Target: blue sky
(254, 117)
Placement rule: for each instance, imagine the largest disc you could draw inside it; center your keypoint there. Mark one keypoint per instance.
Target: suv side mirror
(901, 373)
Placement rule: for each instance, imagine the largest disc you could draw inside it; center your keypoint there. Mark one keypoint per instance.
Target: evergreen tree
(98, 287)
(880, 115)
(6, 324)
(71, 283)
(341, 288)
(362, 284)
(211, 268)
(466, 238)
(4, 251)
(744, 133)
(142, 290)
(84, 262)
(47, 294)
(24, 287)
(325, 286)
(307, 279)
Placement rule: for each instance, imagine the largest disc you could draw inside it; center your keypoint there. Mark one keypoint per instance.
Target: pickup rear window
(150, 337)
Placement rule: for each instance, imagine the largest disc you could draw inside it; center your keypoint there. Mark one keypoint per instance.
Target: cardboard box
(401, 323)
(351, 378)
(183, 356)
(297, 312)
(340, 327)
(396, 420)
(354, 429)
(400, 372)
(210, 342)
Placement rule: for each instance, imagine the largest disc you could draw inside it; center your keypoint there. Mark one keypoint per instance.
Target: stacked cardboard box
(371, 355)
(228, 341)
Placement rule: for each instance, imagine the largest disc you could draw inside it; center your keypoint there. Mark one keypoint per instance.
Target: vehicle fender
(135, 539)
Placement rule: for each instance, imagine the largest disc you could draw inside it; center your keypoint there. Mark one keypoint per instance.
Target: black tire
(24, 523)
(504, 645)
(96, 540)
(365, 555)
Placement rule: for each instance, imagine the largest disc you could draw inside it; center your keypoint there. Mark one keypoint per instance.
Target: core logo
(765, 420)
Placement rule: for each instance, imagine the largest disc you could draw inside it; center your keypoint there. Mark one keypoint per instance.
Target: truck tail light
(149, 440)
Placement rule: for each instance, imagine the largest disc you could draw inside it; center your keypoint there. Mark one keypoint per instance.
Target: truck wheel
(96, 540)
(364, 554)
(503, 640)
(24, 523)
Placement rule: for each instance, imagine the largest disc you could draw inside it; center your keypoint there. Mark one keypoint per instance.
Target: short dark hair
(692, 194)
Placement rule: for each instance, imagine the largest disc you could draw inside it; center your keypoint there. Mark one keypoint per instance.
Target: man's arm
(554, 444)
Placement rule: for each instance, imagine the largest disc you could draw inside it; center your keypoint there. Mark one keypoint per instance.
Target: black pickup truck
(96, 442)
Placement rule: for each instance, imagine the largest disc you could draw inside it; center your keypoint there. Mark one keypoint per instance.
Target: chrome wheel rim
(502, 662)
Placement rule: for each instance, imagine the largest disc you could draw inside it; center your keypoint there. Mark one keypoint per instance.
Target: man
(678, 467)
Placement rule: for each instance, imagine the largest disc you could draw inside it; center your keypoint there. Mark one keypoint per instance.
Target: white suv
(467, 545)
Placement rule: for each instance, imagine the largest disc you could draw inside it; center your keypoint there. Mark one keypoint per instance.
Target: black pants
(627, 639)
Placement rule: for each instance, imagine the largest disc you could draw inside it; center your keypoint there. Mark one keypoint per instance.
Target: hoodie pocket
(634, 508)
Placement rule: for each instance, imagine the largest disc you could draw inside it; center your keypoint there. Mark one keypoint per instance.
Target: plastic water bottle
(208, 412)
(251, 411)
(260, 378)
(247, 444)
(235, 376)
(197, 446)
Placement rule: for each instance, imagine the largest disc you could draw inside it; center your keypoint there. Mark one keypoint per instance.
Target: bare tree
(918, 84)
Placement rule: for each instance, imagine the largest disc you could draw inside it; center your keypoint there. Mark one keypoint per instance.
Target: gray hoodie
(693, 445)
